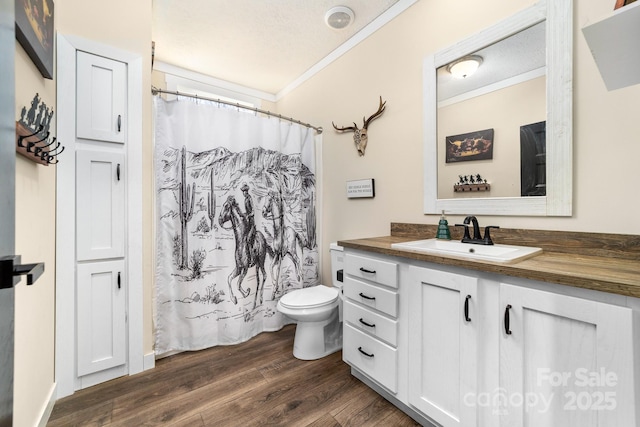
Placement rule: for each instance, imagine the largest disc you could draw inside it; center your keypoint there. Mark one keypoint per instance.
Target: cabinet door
(564, 361)
(101, 98)
(101, 316)
(100, 205)
(443, 345)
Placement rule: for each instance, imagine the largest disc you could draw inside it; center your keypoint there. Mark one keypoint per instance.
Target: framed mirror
(447, 136)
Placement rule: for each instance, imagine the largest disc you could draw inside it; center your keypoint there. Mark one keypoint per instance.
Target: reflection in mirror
(508, 119)
(505, 93)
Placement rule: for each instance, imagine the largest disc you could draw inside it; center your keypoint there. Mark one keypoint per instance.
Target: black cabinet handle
(366, 296)
(364, 352)
(119, 281)
(118, 171)
(371, 325)
(119, 122)
(506, 320)
(364, 270)
(466, 308)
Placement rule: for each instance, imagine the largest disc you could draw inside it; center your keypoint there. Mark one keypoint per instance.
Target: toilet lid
(314, 296)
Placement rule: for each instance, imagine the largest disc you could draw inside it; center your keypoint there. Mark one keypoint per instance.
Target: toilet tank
(337, 264)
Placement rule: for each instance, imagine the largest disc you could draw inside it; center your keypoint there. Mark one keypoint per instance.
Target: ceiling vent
(339, 17)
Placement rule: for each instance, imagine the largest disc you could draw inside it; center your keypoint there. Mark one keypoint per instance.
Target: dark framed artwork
(34, 31)
(476, 145)
(533, 159)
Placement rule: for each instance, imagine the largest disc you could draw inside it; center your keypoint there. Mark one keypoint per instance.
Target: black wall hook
(32, 133)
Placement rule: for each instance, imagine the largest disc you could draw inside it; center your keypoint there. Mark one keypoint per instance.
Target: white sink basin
(496, 253)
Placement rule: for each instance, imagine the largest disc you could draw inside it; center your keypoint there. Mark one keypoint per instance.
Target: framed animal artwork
(476, 145)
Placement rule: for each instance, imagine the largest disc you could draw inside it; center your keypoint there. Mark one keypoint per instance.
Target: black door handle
(118, 171)
(371, 325)
(364, 352)
(11, 268)
(466, 308)
(506, 320)
(364, 270)
(119, 281)
(366, 296)
(119, 122)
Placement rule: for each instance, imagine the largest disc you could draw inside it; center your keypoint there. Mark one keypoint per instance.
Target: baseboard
(48, 409)
(149, 361)
(391, 398)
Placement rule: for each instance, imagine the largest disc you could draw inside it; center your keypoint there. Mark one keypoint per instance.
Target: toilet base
(314, 340)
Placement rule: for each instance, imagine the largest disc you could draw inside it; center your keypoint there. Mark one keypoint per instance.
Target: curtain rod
(156, 91)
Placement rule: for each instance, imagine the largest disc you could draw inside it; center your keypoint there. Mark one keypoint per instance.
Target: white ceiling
(259, 44)
(516, 55)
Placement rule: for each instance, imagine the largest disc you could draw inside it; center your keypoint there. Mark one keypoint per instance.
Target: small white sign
(360, 188)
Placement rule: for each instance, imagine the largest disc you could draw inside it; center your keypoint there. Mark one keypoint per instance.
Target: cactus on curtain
(235, 222)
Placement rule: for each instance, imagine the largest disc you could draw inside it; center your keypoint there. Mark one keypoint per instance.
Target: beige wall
(35, 241)
(389, 63)
(122, 24)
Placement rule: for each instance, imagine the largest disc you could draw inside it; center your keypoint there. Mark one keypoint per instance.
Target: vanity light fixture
(465, 66)
(339, 17)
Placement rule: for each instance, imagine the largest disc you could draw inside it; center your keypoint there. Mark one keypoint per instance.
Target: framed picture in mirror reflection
(476, 145)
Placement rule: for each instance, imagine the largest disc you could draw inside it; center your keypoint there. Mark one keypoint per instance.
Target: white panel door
(100, 192)
(101, 98)
(564, 361)
(443, 319)
(101, 298)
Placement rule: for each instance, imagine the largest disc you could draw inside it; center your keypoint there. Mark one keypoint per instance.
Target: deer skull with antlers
(360, 135)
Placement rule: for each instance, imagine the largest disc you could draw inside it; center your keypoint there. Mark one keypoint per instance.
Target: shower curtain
(235, 222)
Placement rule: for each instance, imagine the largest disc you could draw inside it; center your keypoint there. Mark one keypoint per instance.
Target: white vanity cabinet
(370, 314)
(443, 343)
(564, 361)
(457, 347)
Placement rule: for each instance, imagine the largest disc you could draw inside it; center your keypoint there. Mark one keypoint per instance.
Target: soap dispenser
(443, 229)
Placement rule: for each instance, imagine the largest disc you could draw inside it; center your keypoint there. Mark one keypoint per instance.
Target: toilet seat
(311, 297)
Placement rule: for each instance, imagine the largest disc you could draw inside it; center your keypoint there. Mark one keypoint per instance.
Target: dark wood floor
(255, 383)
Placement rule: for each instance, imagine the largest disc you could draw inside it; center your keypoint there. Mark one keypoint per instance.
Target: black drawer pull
(466, 308)
(507, 330)
(366, 296)
(364, 352)
(119, 280)
(371, 325)
(118, 171)
(364, 270)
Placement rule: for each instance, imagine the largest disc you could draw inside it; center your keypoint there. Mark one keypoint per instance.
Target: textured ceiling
(260, 44)
(518, 54)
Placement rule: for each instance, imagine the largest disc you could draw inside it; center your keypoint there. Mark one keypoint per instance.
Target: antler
(376, 114)
(360, 137)
(351, 128)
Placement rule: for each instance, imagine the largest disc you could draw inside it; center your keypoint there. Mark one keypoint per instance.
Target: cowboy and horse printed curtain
(235, 222)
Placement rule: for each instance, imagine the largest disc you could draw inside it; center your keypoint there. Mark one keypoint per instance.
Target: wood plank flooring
(251, 384)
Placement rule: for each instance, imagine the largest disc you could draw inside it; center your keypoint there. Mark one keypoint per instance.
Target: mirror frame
(559, 104)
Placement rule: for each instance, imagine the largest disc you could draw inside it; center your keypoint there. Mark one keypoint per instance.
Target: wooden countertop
(614, 274)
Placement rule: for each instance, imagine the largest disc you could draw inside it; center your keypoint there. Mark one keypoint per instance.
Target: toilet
(318, 313)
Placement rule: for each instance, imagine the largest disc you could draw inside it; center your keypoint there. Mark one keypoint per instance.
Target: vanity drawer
(373, 323)
(376, 270)
(372, 296)
(376, 359)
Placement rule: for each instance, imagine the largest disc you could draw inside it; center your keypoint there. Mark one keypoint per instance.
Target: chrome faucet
(473, 221)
